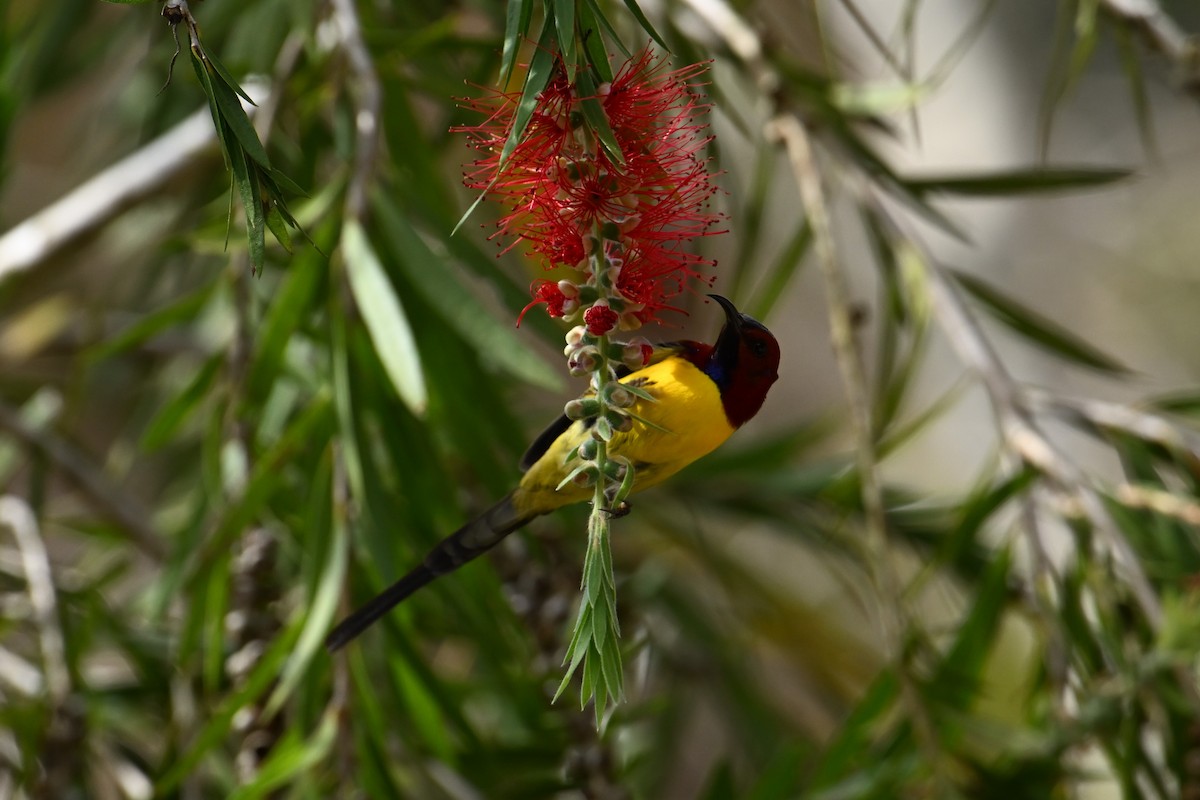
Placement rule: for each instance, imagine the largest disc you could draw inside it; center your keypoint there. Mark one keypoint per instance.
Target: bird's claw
(619, 510)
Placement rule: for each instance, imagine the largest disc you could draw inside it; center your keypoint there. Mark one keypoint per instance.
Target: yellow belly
(688, 410)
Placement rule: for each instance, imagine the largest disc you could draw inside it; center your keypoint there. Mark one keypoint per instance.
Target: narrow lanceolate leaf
(384, 317)
(516, 27)
(1019, 181)
(870, 99)
(636, 10)
(564, 21)
(609, 30)
(317, 616)
(290, 759)
(541, 66)
(593, 111)
(174, 413)
(1036, 328)
(256, 181)
(593, 42)
(456, 305)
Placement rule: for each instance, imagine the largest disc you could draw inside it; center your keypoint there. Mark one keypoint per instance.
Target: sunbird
(702, 394)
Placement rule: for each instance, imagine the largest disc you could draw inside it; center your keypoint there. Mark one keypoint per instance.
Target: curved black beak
(724, 356)
(732, 316)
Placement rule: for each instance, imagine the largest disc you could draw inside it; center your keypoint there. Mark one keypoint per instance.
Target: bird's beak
(725, 349)
(733, 317)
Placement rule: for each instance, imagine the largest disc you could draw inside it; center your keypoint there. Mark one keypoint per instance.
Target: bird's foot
(619, 510)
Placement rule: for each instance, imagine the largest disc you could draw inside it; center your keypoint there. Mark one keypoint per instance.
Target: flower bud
(582, 408)
(568, 288)
(619, 420)
(628, 321)
(602, 431)
(588, 449)
(618, 396)
(615, 470)
(637, 354)
(582, 363)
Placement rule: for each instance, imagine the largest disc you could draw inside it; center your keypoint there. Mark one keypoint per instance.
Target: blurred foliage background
(956, 555)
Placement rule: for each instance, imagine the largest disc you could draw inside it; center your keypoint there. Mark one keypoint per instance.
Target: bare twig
(895, 619)
(17, 516)
(122, 507)
(845, 342)
(1105, 414)
(101, 198)
(1159, 501)
(368, 100)
(1021, 433)
(1161, 32)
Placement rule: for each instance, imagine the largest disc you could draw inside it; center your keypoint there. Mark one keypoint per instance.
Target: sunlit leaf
(168, 419)
(460, 308)
(1036, 328)
(384, 317)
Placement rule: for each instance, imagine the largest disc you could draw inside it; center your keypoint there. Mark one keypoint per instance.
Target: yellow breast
(685, 422)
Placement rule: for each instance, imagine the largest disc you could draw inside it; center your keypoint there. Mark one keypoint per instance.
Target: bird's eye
(758, 347)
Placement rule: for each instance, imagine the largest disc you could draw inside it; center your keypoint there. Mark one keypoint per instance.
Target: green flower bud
(619, 420)
(602, 431)
(582, 408)
(615, 470)
(588, 449)
(617, 395)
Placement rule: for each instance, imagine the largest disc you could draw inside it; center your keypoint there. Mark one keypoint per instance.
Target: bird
(702, 394)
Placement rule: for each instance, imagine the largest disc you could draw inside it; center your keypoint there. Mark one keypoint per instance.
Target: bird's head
(743, 362)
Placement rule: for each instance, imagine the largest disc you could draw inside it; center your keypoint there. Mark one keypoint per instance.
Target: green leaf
(541, 67)
(593, 112)
(564, 20)
(778, 781)
(310, 429)
(958, 676)
(858, 730)
(39, 413)
(1182, 402)
(516, 26)
(226, 78)
(581, 641)
(317, 615)
(431, 276)
(220, 720)
(609, 30)
(593, 41)
(1019, 181)
(878, 99)
(781, 273)
(168, 419)
(290, 304)
(1037, 328)
(384, 317)
(290, 758)
(278, 227)
(636, 10)
(182, 310)
(611, 669)
(1131, 63)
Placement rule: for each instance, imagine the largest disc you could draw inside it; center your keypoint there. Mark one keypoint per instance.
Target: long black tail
(469, 541)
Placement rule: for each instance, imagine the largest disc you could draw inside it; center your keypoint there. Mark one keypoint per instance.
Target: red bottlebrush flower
(545, 292)
(564, 191)
(600, 319)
